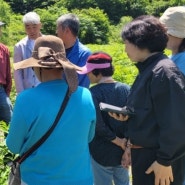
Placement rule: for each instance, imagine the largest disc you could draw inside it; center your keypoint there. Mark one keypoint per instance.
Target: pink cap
(91, 66)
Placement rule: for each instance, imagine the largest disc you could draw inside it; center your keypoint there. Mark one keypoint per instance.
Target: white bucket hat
(174, 20)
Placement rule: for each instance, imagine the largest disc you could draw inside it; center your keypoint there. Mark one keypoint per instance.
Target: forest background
(100, 28)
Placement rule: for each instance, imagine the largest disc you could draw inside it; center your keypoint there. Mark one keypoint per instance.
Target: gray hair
(71, 21)
(31, 18)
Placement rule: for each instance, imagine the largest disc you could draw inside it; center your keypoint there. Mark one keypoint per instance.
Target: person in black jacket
(157, 97)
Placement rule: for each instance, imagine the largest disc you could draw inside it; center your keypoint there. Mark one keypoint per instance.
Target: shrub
(94, 27)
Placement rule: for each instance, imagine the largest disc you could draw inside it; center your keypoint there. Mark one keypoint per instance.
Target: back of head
(174, 20)
(71, 21)
(98, 63)
(31, 18)
(146, 32)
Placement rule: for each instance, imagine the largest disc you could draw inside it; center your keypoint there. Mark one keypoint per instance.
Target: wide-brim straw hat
(49, 52)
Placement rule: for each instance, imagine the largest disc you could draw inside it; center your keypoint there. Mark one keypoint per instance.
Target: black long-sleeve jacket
(158, 99)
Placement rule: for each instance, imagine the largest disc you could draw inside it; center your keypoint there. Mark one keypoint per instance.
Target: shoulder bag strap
(47, 134)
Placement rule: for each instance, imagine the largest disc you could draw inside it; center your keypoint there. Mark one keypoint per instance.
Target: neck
(106, 79)
(50, 74)
(70, 43)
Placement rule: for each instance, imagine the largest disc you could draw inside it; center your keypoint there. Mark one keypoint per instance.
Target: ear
(40, 25)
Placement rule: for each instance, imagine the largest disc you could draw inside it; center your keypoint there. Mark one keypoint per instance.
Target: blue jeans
(5, 106)
(184, 182)
(107, 175)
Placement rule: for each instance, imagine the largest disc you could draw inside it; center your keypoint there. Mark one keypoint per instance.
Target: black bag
(14, 175)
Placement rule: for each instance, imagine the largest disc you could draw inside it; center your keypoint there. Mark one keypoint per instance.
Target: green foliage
(115, 31)
(16, 30)
(94, 26)
(137, 8)
(115, 9)
(5, 154)
(24, 6)
(78, 4)
(48, 18)
(5, 14)
(157, 8)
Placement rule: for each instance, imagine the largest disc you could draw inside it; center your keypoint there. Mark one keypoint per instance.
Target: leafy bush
(5, 154)
(5, 14)
(48, 18)
(115, 31)
(94, 26)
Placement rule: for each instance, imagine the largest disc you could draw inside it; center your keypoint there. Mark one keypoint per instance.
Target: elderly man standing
(68, 26)
(5, 82)
(25, 78)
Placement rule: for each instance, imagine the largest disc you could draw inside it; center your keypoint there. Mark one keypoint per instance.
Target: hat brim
(32, 62)
(91, 66)
(84, 70)
(70, 69)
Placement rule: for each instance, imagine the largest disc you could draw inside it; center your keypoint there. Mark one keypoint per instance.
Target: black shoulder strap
(48, 133)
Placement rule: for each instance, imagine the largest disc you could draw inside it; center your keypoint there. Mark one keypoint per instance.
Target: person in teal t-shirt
(64, 158)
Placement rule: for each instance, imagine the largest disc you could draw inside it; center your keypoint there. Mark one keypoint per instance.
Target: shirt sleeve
(169, 113)
(18, 74)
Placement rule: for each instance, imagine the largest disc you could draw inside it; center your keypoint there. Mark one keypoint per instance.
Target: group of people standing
(89, 146)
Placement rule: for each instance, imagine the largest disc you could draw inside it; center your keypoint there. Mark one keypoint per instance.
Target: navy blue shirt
(102, 149)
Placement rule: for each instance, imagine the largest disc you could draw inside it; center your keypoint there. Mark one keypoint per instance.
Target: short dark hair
(146, 32)
(71, 21)
(182, 46)
(104, 71)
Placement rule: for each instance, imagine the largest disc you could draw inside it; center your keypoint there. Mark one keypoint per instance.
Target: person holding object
(5, 82)
(68, 26)
(64, 157)
(26, 78)
(108, 145)
(156, 131)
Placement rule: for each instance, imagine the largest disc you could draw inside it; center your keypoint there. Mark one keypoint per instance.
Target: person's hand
(119, 117)
(126, 158)
(163, 174)
(121, 142)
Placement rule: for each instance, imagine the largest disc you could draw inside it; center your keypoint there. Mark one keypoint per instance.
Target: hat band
(47, 56)
(92, 66)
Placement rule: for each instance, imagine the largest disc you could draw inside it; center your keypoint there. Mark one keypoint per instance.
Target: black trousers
(142, 159)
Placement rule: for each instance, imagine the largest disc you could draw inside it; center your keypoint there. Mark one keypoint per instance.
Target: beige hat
(49, 52)
(174, 20)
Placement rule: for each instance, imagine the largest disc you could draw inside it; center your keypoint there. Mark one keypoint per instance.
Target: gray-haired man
(25, 78)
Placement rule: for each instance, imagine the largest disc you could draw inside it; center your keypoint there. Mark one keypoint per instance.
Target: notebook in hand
(114, 109)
